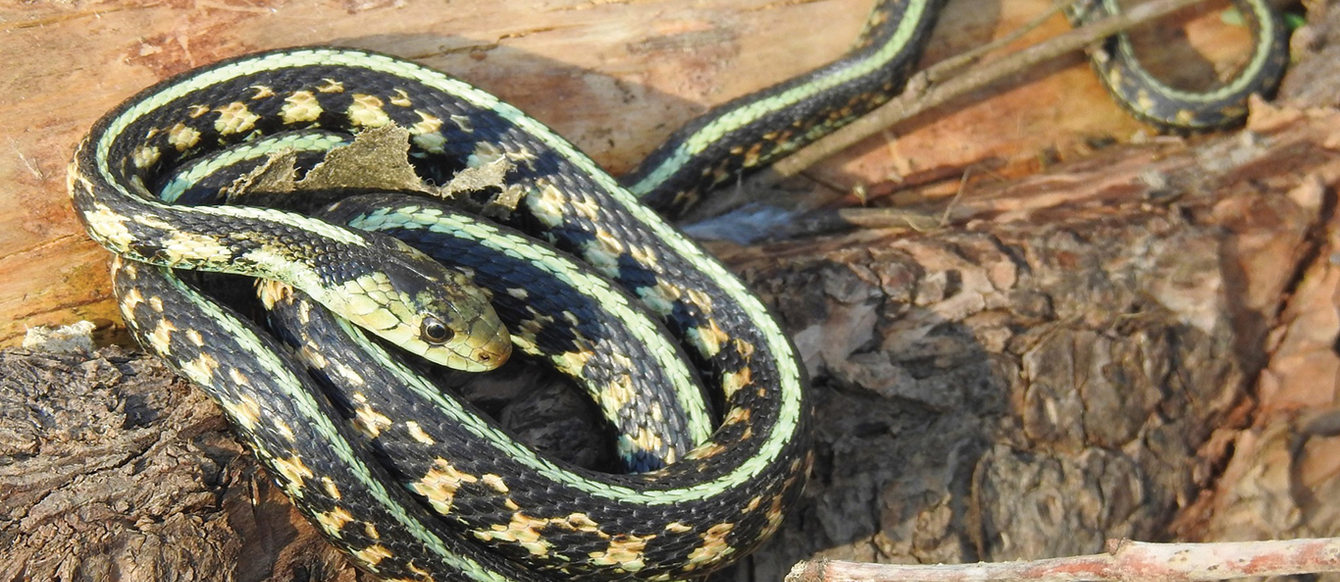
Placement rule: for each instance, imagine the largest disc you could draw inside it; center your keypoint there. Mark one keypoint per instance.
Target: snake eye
(434, 331)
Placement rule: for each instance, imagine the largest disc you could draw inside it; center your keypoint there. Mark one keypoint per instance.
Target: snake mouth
(493, 346)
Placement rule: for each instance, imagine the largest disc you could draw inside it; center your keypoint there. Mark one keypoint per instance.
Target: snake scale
(412, 484)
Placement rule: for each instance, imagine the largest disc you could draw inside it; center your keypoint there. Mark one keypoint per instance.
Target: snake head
(419, 305)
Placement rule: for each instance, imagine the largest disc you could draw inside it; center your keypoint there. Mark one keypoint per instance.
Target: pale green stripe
(713, 132)
(1260, 56)
(296, 142)
(789, 390)
(281, 376)
(642, 329)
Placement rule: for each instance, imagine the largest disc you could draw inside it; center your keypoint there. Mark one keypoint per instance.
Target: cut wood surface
(614, 77)
(1080, 341)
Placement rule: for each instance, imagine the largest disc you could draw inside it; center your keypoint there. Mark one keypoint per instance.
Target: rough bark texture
(1141, 343)
(1080, 363)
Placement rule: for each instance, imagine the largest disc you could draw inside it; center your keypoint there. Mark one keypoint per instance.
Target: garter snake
(504, 512)
(1155, 102)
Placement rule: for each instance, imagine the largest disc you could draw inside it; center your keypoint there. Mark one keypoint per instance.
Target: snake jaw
(423, 307)
(477, 344)
(492, 344)
(479, 341)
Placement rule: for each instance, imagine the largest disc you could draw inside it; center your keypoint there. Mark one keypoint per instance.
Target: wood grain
(613, 77)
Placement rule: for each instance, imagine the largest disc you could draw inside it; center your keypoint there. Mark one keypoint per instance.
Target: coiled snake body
(503, 512)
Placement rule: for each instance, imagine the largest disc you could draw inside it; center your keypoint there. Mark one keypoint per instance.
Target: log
(1138, 341)
(613, 77)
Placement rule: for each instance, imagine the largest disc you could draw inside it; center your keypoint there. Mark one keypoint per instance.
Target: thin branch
(1127, 562)
(953, 64)
(938, 84)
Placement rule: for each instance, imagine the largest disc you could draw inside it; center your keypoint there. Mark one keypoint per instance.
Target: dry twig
(951, 78)
(1128, 562)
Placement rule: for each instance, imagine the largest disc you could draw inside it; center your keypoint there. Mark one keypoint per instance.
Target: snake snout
(492, 345)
